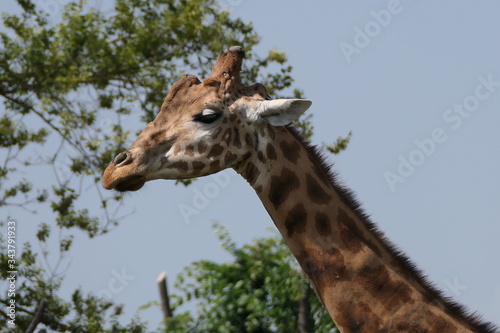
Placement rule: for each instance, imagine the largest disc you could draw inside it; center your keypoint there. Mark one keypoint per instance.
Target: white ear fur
(278, 112)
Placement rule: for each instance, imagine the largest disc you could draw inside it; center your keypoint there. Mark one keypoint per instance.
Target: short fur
(348, 197)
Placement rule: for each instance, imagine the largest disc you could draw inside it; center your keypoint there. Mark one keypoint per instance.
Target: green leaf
(43, 232)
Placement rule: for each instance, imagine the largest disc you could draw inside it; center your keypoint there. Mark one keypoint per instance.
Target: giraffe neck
(364, 283)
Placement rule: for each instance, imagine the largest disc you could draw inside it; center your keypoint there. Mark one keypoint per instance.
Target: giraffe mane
(348, 197)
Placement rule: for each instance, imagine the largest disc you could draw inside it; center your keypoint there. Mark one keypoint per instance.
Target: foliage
(306, 128)
(75, 90)
(258, 291)
(339, 145)
(71, 91)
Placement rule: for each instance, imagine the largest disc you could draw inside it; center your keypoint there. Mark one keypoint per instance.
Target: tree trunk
(304, 316)
(38, 316)
(165, 301)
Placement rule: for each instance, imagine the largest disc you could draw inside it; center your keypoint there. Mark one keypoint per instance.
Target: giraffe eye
(207, 118)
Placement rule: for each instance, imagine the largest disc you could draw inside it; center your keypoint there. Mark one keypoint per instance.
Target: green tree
(261, 290)
(68, 88)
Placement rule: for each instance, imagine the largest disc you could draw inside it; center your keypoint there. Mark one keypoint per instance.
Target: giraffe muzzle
(123, 158)
(132, 183)
(119, 177)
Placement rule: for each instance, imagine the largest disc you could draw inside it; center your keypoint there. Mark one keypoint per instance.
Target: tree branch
(38, 316)
(161, 280)
(304, 315)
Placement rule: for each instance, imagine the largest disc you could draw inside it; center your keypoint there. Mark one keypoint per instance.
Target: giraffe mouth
(132, 183)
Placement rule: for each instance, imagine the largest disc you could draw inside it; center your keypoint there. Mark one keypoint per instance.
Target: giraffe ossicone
(206, 126)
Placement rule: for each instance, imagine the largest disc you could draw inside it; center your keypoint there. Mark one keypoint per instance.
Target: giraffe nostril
(122, 159)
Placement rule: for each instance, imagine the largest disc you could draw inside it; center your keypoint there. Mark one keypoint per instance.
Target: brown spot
(248, 140)
(233, 118)
(246, 156)
(261, 157)
(216, 133)
(316, 192)
(229, 158)
(189, 151)
(290, 151)
(349, 232)
(250, 173)
(181, 166)
(198, 166)
(259, 188)
(226, 136)
(271, 152)
(272, 135)
(357, 318)
(439, 324)
(237, 140)
(373, 247)
(409, 327)
(389, 292)
(352, 236)
(202, 147)
(281, 186)
(166, 145)
(296, 220)
(334, 265)
(318, 170)
(327, 271)
(215, 151)
(323, 225)
(308, 265)
(214, 166)
(158, 136)
(147, 144)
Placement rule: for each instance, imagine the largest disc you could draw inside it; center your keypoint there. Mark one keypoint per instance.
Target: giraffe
(203, 127)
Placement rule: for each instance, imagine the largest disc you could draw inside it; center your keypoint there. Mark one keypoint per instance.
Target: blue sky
(418, 84)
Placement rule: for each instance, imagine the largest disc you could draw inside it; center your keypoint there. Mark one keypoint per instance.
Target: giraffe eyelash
(207, 116)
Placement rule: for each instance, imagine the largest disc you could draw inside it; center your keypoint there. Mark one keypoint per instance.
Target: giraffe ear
(280, 112)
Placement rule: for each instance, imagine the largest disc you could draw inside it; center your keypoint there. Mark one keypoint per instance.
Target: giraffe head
(203, 127)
